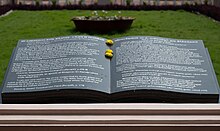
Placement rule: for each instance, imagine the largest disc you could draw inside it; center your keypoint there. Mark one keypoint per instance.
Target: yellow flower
(109, 42)
(109, 51)
(108, 55)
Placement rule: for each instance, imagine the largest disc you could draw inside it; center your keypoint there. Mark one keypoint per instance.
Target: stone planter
(103, 26)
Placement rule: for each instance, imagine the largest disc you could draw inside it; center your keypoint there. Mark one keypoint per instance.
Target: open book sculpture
(75, 69)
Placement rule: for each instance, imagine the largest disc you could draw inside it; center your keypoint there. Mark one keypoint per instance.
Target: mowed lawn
(44, 24)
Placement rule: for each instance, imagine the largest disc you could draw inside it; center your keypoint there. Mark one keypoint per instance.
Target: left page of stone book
(69, 62)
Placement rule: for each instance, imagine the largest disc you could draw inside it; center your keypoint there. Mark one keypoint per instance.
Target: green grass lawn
(43, 24)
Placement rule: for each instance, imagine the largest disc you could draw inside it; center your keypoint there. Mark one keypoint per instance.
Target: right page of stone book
(155, 63)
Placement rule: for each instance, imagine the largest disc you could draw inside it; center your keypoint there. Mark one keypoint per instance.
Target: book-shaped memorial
(75, 69)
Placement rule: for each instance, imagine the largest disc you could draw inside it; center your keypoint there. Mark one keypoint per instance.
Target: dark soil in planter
(102, 26)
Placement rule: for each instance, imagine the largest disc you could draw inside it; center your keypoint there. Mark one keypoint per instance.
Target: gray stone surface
(162, 64)
(72, 62)
(139, 62)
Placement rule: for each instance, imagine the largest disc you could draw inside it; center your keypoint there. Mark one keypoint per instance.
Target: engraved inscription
(152, 63)
(59, 63)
